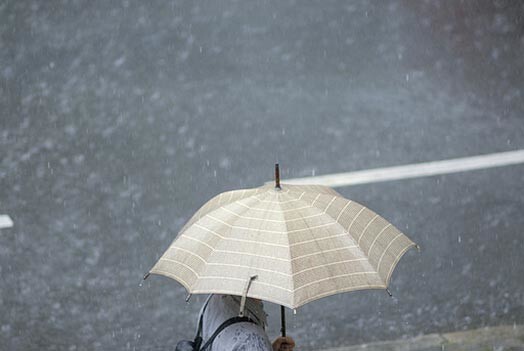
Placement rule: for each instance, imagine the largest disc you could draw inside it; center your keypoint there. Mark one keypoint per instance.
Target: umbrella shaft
(283, 320)
(277, 176)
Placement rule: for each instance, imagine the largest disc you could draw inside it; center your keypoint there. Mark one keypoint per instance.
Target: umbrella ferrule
(244, 295)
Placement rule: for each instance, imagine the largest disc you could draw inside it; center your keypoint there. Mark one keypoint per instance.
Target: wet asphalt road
(118, 120)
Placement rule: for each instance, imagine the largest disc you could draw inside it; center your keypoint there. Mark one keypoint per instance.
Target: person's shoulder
(243, 336)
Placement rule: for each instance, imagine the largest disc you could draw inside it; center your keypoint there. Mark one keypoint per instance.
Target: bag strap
(223, 326)
(198, 338)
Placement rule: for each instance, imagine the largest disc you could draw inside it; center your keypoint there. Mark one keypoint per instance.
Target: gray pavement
(501, 338)
(119, 119)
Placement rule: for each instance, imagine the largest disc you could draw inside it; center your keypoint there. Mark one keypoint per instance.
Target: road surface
(118, 120)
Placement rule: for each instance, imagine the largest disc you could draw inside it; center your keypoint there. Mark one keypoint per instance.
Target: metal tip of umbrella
(277, 177)
(188, 297)
(389, 292)
(417, 247)
(145, 277)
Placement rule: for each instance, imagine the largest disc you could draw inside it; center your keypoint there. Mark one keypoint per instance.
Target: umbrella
(287, 244)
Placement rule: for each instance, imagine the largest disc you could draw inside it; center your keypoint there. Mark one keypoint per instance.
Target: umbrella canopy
(304, 242)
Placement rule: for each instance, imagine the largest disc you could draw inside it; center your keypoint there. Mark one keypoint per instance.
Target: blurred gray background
(120, 119)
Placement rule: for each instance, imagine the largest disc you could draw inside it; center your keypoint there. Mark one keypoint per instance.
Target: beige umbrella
(302, 242)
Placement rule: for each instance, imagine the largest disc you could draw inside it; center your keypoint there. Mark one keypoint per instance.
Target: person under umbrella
(248, 336)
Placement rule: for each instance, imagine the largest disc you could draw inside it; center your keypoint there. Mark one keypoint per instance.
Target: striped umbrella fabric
(304, 242)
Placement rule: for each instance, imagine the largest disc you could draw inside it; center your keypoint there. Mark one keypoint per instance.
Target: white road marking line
(415, 170)
(5, 221)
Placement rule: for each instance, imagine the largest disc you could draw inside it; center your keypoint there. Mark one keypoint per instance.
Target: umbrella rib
(290, 261)
(229, 251)
(330, 264)
(251, 254)
(189, 252)
(235, 239)
(211, 206)
(333, 277)
(214, 277)
(224, 264)
(273, 211)
(366, 228)
(355, 218)
(219, 197)
(386, 249)
(325, 251)
(330, 203)
(250, 267)
(244, 280)
(343, 209)
(272, 220)
(197, 240)
(267, 230)
(318, 239)
(281, 211)
(174, 276)
(284, 221)
(281, 202)
(315, 200)
(180, 263)
(397, 259)
(376, 238)
(337, 291)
